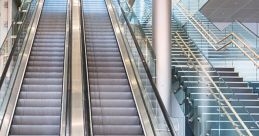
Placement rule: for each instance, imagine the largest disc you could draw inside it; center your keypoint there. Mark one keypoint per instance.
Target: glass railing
(204, 45)
(236, 27)
(12, 49)
(143, 10)
(232, 49)
(209, 26)
(227, 115)
(9, 40)
(141, 39)
(194, 5)
(183, 12)
(243, 32)
(139, 52)
(215, 106)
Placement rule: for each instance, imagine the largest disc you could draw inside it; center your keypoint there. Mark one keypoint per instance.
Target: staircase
(113, 108)
(225, 57)
(38, 109)
(205, 115)
(199, 104)
(206, 35)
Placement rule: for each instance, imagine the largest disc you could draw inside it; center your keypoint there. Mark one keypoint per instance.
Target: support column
(161, 23)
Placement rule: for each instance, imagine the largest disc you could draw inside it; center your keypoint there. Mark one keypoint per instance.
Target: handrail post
(161, 23)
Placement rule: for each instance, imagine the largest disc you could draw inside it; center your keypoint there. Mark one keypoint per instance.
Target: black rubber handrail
(159, 99)
(144, 35)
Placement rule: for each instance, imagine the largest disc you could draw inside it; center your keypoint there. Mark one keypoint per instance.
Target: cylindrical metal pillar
(161, 23)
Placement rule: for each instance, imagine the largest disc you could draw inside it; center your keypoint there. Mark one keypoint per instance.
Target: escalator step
(38, 111)
(34, 130)
(117, 130)
(38, 107)
(39, 103)
(114, 111)
(113, 107)
(36, 120)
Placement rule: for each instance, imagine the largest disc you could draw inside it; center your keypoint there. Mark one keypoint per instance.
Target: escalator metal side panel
(7, 120)
(64, 130)
(145, 121)
(87, 101)
(77, 95)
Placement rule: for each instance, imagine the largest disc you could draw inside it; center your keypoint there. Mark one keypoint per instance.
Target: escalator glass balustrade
(12, 47)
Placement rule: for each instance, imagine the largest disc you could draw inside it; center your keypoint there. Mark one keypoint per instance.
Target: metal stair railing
(214, 42)
(190, 53)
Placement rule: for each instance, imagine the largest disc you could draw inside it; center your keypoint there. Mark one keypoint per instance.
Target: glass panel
(194, 5)
(142, 60)
(241, 53)
(144, 43)
(214, 107)
(11, 49)
(209, 104)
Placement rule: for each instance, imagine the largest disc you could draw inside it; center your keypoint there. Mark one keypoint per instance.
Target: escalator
(113, 108)
(39, 104)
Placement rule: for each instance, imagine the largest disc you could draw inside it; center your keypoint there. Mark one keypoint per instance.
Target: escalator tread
(38, 108)
(113, 107)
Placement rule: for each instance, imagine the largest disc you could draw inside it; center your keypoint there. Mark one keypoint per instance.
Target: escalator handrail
(9, 59)
(160, 101)
(86, 87)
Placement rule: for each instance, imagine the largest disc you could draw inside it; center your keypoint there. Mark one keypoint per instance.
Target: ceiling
(229, 10)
